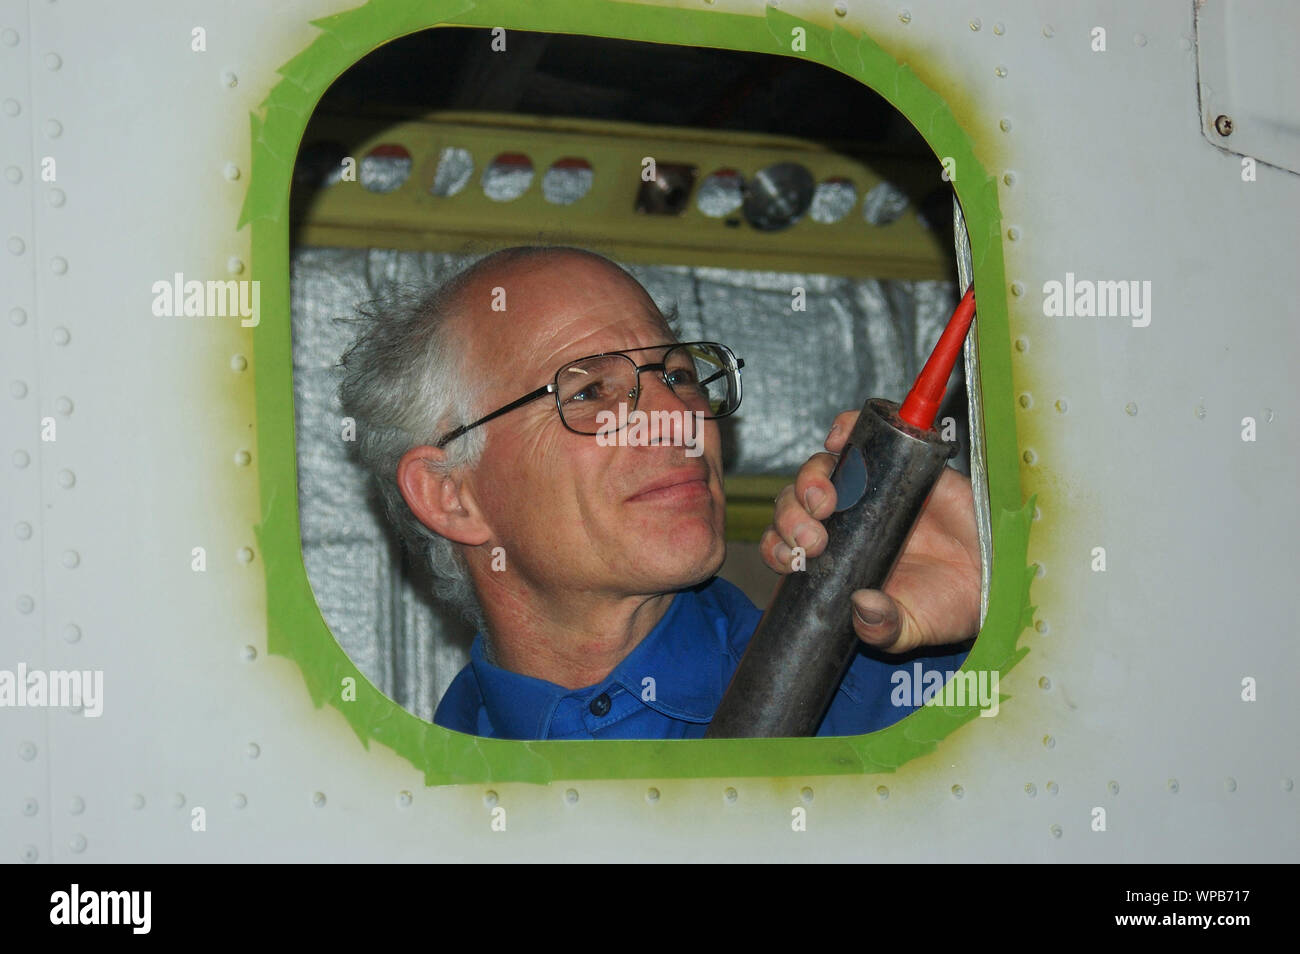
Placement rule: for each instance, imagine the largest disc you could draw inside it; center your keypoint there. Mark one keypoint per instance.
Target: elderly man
(589, 563)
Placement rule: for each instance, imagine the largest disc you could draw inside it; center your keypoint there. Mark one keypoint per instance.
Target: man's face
(574, 516)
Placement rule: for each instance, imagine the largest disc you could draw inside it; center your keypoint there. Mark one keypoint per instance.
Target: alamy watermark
(642, 428)
(1085, 298)
(968, 687)
(55, 688)
(211, 299)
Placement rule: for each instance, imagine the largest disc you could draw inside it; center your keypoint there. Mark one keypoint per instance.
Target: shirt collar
(685, 654)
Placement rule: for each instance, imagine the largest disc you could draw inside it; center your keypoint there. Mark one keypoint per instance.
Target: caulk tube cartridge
(805, 641)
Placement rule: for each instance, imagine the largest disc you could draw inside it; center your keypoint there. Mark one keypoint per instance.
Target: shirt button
(600, 705)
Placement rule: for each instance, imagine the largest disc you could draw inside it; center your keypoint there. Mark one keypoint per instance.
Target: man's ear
(440, 500)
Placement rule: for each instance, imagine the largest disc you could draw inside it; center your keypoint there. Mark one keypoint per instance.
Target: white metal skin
(1130, 700)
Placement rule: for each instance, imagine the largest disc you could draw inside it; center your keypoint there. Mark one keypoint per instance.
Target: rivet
(76, 805)
(1200, 411)
(230, 171)
(1000, 72)
(1017, 289)
(1062, 405)
(72, 633)
(806, 794)
(958, 791)
(29, 854)
(17, 316)
(318, 799)
(1049, 742)
(253, 750)
(652, 795)
(404, 799)
(1287, 785)
(245, 555)
(1139, 39)
(18, 390)
(1186, 44)
(240, 801)
(12, 108)
(59, 265)
(841, 9)
(23, 530)
(1004, 124)
(61, 336)
(30, 805)
(243, 458)
(178, 800)
(730, 794)
(1112, 787)
(1040, 571)
(975, 25)
(229, 79)
(1173, 786)
(1052, 788)
(882, 792)
(137, 801)
(1044, 683)
(490, 798)
(57, 197)
(1013, 234)
(25, 604)
(1031, 789)
(54, 129)
(71, 559)
(1022, 344)
(53, 61)
(67, 479)
(1008, 178)
(16, 245)
(999, 29)
(77, 843)
(571, 796)
(64, 406)
(249, 653)
(1230, 784)
(1041, 626)
(13, 174)
(1048, 31)
(1131, 409)
(238, 363)
(9, 37)
(1223, 125)
(1029, 457)
(905, 16)
(1056, 831)
(1026, 400)
(21, 458)
(235, 265)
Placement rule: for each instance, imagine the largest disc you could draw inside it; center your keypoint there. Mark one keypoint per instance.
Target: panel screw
(1223, 125)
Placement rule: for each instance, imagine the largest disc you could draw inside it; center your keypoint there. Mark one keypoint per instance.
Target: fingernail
(834, 428)
(870, 617)
(806, 535)
(782, 552)
(813, 498)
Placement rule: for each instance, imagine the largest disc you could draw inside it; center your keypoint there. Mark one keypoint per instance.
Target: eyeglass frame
(554, 386)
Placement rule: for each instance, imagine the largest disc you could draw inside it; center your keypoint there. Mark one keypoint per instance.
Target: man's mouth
(674, 487)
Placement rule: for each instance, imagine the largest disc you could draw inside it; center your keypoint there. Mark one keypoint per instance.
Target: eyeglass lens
(700, 375)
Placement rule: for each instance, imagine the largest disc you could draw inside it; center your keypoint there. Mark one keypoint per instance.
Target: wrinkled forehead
(533, 316)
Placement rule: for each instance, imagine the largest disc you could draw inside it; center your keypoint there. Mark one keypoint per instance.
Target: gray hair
(405, 384)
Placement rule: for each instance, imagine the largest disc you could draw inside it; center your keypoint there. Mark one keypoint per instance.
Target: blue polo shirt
(669, 685)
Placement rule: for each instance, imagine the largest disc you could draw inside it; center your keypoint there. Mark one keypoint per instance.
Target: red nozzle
(923, 401)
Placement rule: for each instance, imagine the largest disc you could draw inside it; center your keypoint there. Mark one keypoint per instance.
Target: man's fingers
(879, 621)
(840, 430)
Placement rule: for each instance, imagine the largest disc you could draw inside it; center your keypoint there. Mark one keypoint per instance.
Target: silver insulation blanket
(854, 339)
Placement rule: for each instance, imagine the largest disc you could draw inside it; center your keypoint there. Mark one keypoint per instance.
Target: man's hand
(933, 595)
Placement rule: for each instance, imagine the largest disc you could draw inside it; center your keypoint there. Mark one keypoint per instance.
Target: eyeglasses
(704, 375)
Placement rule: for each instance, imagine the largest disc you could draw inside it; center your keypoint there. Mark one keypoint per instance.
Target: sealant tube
(805, 641)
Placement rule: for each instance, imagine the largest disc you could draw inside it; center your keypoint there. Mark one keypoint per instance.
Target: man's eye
(592, 392)
(683, 376)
